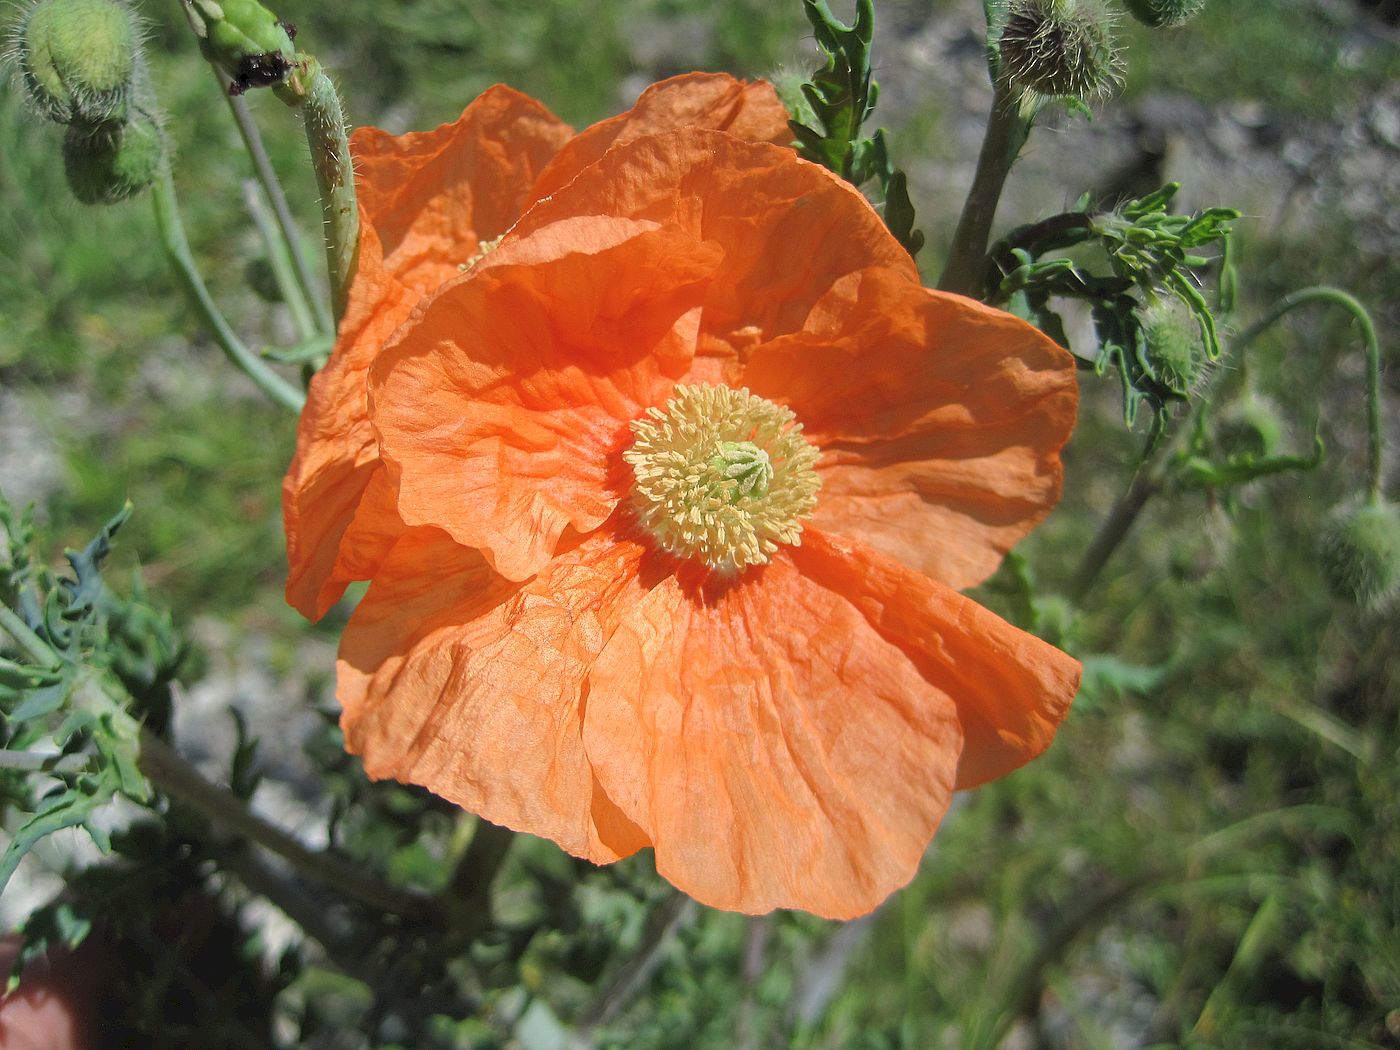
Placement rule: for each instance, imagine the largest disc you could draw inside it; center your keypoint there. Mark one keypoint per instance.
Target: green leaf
(67, 808)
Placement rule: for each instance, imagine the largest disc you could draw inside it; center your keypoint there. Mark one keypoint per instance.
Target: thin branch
(186, 785)
(177, 250)
(272, 186)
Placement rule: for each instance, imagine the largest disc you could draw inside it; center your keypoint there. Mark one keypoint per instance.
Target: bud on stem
(77, 58)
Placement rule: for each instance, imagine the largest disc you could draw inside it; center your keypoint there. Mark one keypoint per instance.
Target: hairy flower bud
(1249, 429)
(1361, 553)
(107, 163)
(1059, 48)
(1173, 352)
(1163, 14)
(77, 58)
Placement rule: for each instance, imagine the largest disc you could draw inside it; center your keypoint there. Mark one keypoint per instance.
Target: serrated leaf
(41, 702)
(65, 809)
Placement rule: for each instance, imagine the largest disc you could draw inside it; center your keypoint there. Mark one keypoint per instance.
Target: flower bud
(77, 58)
(244, 39)
(1361, 553)
(107, 163)
(1249, 429)
(1172, 350)
(1059, 48)
(1164, 14)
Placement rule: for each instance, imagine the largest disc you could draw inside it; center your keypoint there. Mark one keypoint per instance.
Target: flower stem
(469, 888)
(1006, 133)
(335, 177)
(34, 647)
(286, 225)
(177, 250)
(186, 785)
(280, 259)
(1372, 349)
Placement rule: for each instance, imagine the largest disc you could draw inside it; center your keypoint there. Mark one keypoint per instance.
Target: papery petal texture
(337, 456)
(560, 633)
(940, 420)
(503, 410)
(457, 679)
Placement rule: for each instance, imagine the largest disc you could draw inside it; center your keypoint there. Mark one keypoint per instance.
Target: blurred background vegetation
(1210, 854)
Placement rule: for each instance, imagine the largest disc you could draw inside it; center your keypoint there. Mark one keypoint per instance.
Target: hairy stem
(177, 249)
(282, 212)
(335, 177)
(1006, 133)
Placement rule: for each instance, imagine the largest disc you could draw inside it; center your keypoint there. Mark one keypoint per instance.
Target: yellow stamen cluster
(483, 249)
(722, 476)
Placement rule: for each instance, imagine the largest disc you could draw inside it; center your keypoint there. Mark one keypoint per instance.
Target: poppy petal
(337, 457)
(456, 679)
(1012, 690)
(776, 749)
(504, 406)
(717, 101)
(940, 420)
(433, 196)
(789, 229)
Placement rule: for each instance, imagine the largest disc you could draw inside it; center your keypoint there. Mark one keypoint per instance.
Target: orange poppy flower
(429, 201)
(665, 500)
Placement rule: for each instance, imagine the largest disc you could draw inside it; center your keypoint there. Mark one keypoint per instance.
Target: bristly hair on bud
(1164, 14)
(1172, 351)
(109, 162)
(1360, 552)
(1060, 48)
(77, 58)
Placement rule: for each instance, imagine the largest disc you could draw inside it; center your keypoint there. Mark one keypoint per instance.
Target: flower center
(483, 249)
(722, 476)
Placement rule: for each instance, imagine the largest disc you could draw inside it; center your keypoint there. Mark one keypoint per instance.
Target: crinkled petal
(334, 534)
(1011, 689)
(940, 420)
(789, 229)
(458, 680)
(433, 196)
(504, 407)
(717, 101)
(775, 747)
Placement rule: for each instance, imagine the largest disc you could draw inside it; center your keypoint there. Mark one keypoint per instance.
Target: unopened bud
(1059, 48)
(1249, 429)
(107, 163)
(1174, 354)
(244, 39)
(1164, 14)
(77, 58)
(1361, 553)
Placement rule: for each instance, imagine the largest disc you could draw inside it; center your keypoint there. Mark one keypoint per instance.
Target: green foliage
(840, 98)
(59, 692)
(1149, 253)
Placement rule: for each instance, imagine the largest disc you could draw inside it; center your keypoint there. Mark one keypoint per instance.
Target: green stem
(1151, 476)
(34, 647)
(1006, 133)
(469, 888)
(272, 186)
(186, 785)
(335, 177)
(177, 250)
(1337, 297)
(280, 259)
